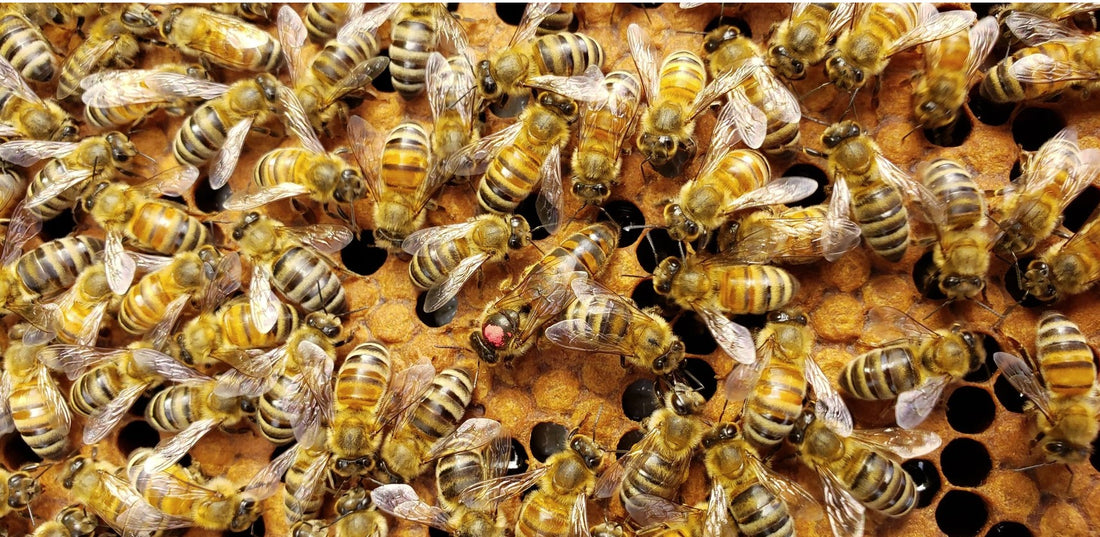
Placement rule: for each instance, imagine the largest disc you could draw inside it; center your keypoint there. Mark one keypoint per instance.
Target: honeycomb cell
(965, 462)
(926, 477)
(547, 438)
(210, 200)
(137, 434)
(850, 272)
(961, 513)
(1032, 127)
(1081, 208)
(1024, 496)
(970, 410)
(390, 322)
(361, 256)
(17, 453)
(885, 290)
(655, 247)
(952, 135)
(557, 390)
(989, 367)
(838, 318)
(518, 461)
(1012, 284)
(439, 317)
(628, 216)
(1094, 458)
(602, 374)
(529, 211)
(695, 334)
(510, 14)
(926, 277)
(640, 400)
(700, 375)
(645, 296)
(59, 226)
(1008, 529)
(1009, 397)
(819, 177)
(1063, 520)
(628, 440)
(987, 111)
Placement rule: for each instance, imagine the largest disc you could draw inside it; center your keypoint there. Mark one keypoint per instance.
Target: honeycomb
(972, 485)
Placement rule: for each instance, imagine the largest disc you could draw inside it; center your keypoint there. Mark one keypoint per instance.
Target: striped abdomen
(782, 139)
(1064, 356)
(566, 54)
(544, 514)
(52, 172)
(588, 249)
(276, 412)
(515, 172)
(434, 262)
(306, 508)
(878, 482)
(306, 279)
(557, 22)
(456, 473)
(238, 329)
(754, 289)
(55, 265)
(405, 158)
(608, 317)
(284, 165)
(363, 378)
(337, 59)
(92, 391)
(106, 117)
(442, 406)
(1002, 85)
(173, 408)
(604, 129)
(146, 303)
(24, 46)
(156, 495)
(774, 403)
(414, 38)
(682, 77)
(91, 291)
(758, 512)
(165, 228)
(324, 19)
(37, 420)
(956, 188)
(201, 136)
(880, 373)
(655, 475)
(12, 187)
(880, 212)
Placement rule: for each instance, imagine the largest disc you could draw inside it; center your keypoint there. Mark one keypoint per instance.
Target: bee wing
(6, 423)
(401, 501)
(317, 366)
(915, 405)
(405, 390)
(587, 87)
(780, 191)
(298, 122)
(648, 510)
(887, 324)
(717, 521)
(267, 194)
(165, 366)
(777, 97)
(750, 123)
(1042, 69)
(26, 152)
(312, 478)
(235, 383)
(22, 227)
(139, 518)
(452, 36)
(929, 203)
(325, 238)
(735, 340)
(173, 85)
(75, 360)
(830, 406)
(841, 232)
(355, 81)
(1020, 376)
(723, 84)
(226, 280)
(494, 491)
(474, 158)
(292, 36)
(53, 396)
(226, 159)
(84, 60)
(532, 18)
(11, 80)
(170, 451)
(1035, 29)
(103, 422)
(578, 517)
(549, 203)
(163, 329)
(120, 267)
(740, 382)
(437, 73)
(266, 481)
(89, 328)
(65, 180)
(645, 59)
(173, 182)
(845, 513)
(579, 335)
(436, 235)
(934, 28)
(452, 284)
(474, 433)
(983, 36)
(498, 457)
(262, 300)
(840, 17)
(366, 22)
(905, 443)
(784, 488)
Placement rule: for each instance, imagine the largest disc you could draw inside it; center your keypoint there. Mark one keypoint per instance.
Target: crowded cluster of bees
(212, 215)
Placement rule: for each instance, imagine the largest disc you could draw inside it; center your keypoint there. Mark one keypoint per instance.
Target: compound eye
(928, 106)
(1057, 447)
(859, 76)
(951, 282)
(692, 228)
(798, 65)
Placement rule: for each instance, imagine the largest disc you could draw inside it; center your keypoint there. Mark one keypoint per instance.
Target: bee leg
(268, 132)
(622, 362)
(875, 92)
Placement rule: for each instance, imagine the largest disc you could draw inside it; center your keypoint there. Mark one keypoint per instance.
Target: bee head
(780, 59)
(353, 467)
(519, 232)
(351, 186)
(665, 273)
(670, 360)
(75, 467)
(329, 325)
(95, 192)
(587, 449)
(168, 24)
(122, 149)
(247, 222)
(591, 193)
(975, 348)
(138, 19)
(487, 82)
(353, 501)
(246, 514)
(269, 85)
(846, 76)
(683, 400)
(559, 103)
(680, 226)
(720, 35)
(66, 131)
(22, 490)
(837, 133)
(1038, 282)
(1069, 439)
(721, 433)
(658, 148)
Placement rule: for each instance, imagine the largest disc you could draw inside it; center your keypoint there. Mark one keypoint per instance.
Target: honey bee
(768, 113)
(112, 41)
(597, 160)
(676, 93)
(600, 320)
(76, 315)
(68, 16)
(304, 491)
(17, 489)
(115, 98)
(249, 11)
(149, 223)
(347, 63)
(405, 183)
(879, 31)
(803, 39)
(949, 67)
(98, 486)
(355, 516)
(873, 188)
(730, 180)
(719, 285)
(12, 187)
(504, 77)
(324, 19)
(1067, 397)
(1057, 59)
(795, 235)
(219, 39)
(445, 257)
(961, 255)
(914, 368)
(23, 114)
(26, 48)
(72, 521)
(1066, 269)
(32, 400)
(855, 471)
(229, 332)
(416, 31)
(510, 325)
(454, 101)
(1052, 177)
(192, 409)
(292, 259)
(658, 464)
(161, 295)
(51, 267)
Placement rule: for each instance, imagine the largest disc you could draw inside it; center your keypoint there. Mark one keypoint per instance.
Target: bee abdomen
(567, 54)
(166, 229)
(880, 374)
(774, 404)
(363, 377)
(24, 46)
(951, 183)
(882, 485)
(55, 265)
(882, 217)
(1065, 358)
(458, 472)
(413, 41)
(274, 411)
(94, 389)
(442, 407)
(759, 513)
(307, 280)
(200, 137)
(170, 410)
(38, 423)
(682, 76)
(53, 171)
(433, 263)
(756, 289)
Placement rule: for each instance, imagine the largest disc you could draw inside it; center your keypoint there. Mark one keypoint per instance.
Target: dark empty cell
(982, 9)
(985, 372)
(439, 317)
(185, 460)
(517, 463)
(970, 410)
(965, 462)
(695, 334)
(723, 20)
(59, 226)
(1016, 171)
(750, 321)
(812, 172)
(511, 14)
(926, 478)
(987, 111)
(452, 6)
(383, 82)
(547, 438)
(1009, 397)
(17, 453)
(1079, 210)
(655, 247)
(528, 211)
(433, 532)
(629, 217)
(1034, 126)
(137, 434)
(174, 199)
(628, 440)
(700, 376)
(138, 408)
(926, 277)
(279, 450)
(1008, 529)
(257, 529)
(961, 513)
(361, 256)
(952, 135)
(640, 400)
(1012, 285)
(646, 296)
(209, 200)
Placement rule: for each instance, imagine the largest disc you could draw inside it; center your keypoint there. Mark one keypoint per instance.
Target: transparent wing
(905, 443)
(226, 159)
(102, 423)
(436, 75)
(578, 517)
(69, 178)
(6, 423)
(160, 331)
(717, 521)
(725, 135)
(298, 122)
(723, 84)
(406, 388)
(165, 366)
(176, 181)
(120, 266)
(648, 511)
(325, 238)
(75, 360)
(549, 203)
(121, 87)
(11, 80)
(1035, 29)
(780, 191)
(437, 235)
(22, 227)
(532, 18)
(790, 492)
(929, 203)
(226, 280)
(735, 340)
(313, 479)
(579, 335)
(54, 398)
(494, 491)
(84, 60)
(983, 36)
(1042, 69)
(264, 305)
(886, 324)
(358, 78)
(267, 194)
(740, 382)
(839, 18)
(169, 452)
(830, 406)
(845, 513)
(474, 433)
(915, 405)
(752, 124)
(292, 35)
(177, 85)
(609, 480)
(936, 27)
(445, 290)
(777, 98)
(26, 152)
(474, 158)
(1019, 374)
(841, 232)
(266, 481)
(587, 87)
(645, 59)
(317, 398)
(401, 501)
(366, 22)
